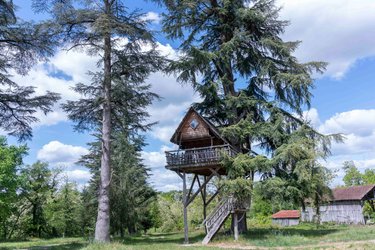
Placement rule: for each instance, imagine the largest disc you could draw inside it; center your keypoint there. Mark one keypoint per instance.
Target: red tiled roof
(286, 214)
(351, 193)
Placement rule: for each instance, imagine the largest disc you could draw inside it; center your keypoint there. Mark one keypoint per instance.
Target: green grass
(302, 235)
(305, 235)
(52, 244)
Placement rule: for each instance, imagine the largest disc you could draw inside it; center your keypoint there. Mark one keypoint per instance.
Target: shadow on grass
(72, 246)
(61, 246)
(162, 238)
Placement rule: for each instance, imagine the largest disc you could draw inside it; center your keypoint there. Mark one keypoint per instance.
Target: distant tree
(352, 175)
(22, 44)
(369, 176)
(251, 84)
(155, 215)
(106, 29)
(63, 210)
(10, 163)
(38, 185)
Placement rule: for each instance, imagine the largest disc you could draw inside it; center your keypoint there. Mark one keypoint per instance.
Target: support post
(204, 200)
(185, 199)
(235, 225)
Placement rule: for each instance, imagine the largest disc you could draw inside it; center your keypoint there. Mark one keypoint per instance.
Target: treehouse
(200, 152)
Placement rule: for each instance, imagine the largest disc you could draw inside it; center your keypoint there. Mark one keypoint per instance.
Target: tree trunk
(102, 222)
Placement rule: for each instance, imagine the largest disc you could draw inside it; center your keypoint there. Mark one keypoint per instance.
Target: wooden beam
(185, 209)
(199, 186)
(213, 196)
(179, 174)
(199, 189)
(214, 171)
(191, 186)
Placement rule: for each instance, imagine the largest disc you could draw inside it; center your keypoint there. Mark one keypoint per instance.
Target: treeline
(37, 201)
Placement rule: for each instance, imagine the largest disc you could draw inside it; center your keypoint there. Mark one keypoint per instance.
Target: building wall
(342, 212)
(285, 222)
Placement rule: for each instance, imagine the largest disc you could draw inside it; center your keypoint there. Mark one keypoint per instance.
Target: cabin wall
(188, 133)
(285, 222)
(341, 212)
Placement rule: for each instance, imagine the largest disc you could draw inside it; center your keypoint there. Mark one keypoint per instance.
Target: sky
(340, 32)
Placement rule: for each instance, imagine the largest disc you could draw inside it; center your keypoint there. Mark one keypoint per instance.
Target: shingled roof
(286, 214)
(352, 193)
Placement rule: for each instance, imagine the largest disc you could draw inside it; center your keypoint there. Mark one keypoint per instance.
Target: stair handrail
(225, 205)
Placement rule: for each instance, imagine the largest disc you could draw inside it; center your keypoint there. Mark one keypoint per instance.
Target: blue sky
(340, 32)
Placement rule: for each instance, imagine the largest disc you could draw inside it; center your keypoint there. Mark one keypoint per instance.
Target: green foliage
(28, 43)
(10, 162)
(239, 188)
(352, 176)
(37, 187)
(254, 89)
(63, 211)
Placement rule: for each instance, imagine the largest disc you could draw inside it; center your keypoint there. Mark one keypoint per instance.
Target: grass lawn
(302, 236)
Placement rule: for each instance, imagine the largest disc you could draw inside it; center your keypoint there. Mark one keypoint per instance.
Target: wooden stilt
(204, 200)
(235, 225)
(185, 209)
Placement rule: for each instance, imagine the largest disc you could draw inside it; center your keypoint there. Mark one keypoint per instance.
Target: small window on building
(194, 124)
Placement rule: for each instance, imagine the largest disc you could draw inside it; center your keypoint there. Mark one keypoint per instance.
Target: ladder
(216, 219)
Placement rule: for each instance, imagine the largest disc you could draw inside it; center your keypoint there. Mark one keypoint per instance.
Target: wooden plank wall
(342, 212)
(188, 133)
(285, 222)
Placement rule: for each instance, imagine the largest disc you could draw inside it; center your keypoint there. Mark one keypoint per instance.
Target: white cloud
(358, 127)
(312, 117)
(154, 159)
(360, 122)
(78, 175)
(152, 17)
(59, 154)
(339, 32)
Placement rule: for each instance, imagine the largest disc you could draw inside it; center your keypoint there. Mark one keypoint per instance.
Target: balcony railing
(198, 156)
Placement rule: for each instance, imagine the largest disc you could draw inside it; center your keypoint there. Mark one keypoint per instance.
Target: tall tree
(251, 84)
(22, 44)
(130, 193)
(106, 29)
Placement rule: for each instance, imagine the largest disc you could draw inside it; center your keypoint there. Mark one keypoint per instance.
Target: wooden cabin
(199, 154)
(200, 147)
(286, 218)
(344, 207)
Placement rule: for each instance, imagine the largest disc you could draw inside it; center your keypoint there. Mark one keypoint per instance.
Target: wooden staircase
(216, 219)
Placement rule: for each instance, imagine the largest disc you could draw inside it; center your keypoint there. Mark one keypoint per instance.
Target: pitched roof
(208, 123)
(286, 214)
(352, 193)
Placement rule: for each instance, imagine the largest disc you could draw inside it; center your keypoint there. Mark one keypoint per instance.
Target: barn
(344, 207)
(286, 218)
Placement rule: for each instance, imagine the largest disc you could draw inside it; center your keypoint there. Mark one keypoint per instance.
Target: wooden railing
(221, 211)
(217, 217)
(198, 155)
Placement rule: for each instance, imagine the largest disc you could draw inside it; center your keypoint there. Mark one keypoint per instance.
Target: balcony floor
(199, 168)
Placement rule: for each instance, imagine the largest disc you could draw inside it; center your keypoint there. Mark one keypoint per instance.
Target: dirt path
(366, 244)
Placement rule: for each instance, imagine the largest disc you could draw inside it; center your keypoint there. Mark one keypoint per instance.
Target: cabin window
(194, 124)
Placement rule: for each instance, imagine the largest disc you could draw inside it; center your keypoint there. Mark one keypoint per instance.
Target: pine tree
(251, 84)
(130, 195)
(104, 28)
(22, 44)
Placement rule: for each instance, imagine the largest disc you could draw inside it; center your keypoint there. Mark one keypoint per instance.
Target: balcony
(198, 157)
